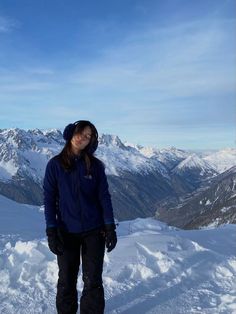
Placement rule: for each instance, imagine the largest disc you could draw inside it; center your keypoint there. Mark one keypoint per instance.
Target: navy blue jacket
(75, 201)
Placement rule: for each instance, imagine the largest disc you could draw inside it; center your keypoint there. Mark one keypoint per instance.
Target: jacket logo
(88, 177)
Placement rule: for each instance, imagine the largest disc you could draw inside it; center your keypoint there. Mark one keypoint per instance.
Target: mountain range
(170, 183)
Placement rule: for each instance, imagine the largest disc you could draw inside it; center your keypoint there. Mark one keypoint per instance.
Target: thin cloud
(8, 24)
(39, 70)
(180, 61)
(26, 87)
(25, 79)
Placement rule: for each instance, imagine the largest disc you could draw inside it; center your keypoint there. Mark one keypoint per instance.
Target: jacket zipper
(78, 193)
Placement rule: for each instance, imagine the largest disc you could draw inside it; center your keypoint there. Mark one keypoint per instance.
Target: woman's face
(80, 140)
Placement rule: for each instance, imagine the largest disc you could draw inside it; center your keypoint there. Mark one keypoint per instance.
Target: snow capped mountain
(147, 151)
(194, 170)
(154, 269)
(136, 146)
(193, 162)
(23, 158)
(25, 153)
(119, 158)
(111, 140)
(170, 157)
(223, 159)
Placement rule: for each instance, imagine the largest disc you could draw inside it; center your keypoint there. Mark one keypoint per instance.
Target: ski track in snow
(154, 269)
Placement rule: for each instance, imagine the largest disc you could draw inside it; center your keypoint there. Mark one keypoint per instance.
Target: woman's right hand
(55, 240)
(110, 237)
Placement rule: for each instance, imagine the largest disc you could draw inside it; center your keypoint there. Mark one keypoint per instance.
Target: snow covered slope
(119, 158)
(154, 269)
(223, 159)
(170, 157)
(21, 220)
(197, 164)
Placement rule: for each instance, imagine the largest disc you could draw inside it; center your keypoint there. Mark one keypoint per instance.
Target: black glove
(55, 240)
(110, 237)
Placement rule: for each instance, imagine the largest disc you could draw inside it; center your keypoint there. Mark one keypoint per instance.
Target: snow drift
(154, 268)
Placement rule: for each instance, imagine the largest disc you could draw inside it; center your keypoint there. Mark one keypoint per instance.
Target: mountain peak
(196, 163)
(52, 132)
(223, 159)
(193, 161)
(111, 140)
(17, 138)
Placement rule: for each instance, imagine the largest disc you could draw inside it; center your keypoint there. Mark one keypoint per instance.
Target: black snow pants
(90, 248)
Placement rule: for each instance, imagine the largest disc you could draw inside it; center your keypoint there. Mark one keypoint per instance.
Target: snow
(223, 159)
(193, 161)
(7, 170)
(20, 220)
(225, 209)
(26, 152)
(170, 157)
(38, 161)
(154, 269)
(118, 160)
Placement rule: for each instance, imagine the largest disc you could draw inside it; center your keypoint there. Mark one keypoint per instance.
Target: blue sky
(154, 72)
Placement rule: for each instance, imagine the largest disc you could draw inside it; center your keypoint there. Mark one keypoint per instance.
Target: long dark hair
(66, 155)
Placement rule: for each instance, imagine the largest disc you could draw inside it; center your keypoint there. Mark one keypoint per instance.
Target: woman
(79, 218)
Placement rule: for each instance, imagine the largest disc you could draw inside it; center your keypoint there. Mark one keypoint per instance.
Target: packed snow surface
(154, 268)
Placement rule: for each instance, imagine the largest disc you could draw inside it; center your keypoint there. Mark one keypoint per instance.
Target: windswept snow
(153, 269)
